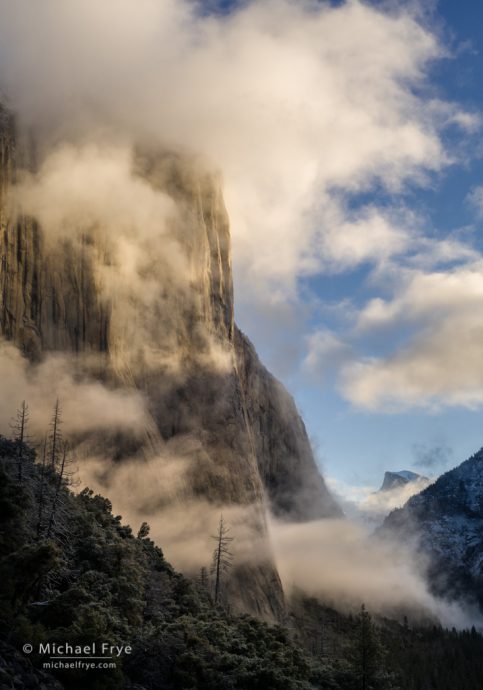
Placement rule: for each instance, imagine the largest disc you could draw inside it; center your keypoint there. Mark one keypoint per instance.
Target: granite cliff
(169, 333)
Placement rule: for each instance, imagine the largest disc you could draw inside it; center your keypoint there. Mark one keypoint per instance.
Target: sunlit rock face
(153, 311)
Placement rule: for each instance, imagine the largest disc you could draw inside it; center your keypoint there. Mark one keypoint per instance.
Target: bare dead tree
(55, 436)
(20, 423)
(222, 556)
(66, 476)
(41, 499)
(19, 426)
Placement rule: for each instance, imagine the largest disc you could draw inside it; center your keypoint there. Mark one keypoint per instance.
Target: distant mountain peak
(394, 480)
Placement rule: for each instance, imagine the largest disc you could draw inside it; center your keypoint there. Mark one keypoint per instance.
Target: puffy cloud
(349, 238)
(440, 361)
(421, 347)
(468, 121)
(422, 296)
(289, 100)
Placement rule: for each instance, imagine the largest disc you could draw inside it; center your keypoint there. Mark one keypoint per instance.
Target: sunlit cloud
(444, 313)
(291, 101)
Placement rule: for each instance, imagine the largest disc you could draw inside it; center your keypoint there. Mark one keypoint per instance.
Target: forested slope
(71, 572)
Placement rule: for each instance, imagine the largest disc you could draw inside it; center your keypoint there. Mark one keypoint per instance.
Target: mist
(342, 564)
(158, 490)
(87, 404)
(368, 507)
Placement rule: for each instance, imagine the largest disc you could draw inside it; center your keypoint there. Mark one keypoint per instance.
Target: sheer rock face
(173, 337)
(292, 483)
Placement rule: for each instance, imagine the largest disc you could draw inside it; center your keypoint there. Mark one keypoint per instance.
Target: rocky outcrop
(173, 337)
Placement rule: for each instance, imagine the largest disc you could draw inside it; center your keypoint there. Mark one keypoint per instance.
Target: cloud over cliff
(292, 101)
(87, 404)
(304, 107)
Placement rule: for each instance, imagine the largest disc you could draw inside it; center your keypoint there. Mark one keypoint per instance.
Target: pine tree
(222, 556)
(19, 426)
(203, 578)
(143, 531)
(367, 651)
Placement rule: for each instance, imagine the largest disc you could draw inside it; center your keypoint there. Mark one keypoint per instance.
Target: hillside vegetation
(72, 572)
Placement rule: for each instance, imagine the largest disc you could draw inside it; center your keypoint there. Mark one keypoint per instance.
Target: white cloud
(348, 239)
(440, 361)
(290, 100)
(471, 122)
(475, 199)
(430, 253)
(424, 296)
(325, 352)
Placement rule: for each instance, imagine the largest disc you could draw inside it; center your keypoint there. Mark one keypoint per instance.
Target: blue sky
(355, 444)
(357, 447)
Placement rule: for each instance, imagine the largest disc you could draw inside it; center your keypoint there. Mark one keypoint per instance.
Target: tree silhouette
(19, 426)
(222, 556)
(41, 497)
(55, 436)
(367, 651)
(143, 531)
(66, 476)
(203, 580)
